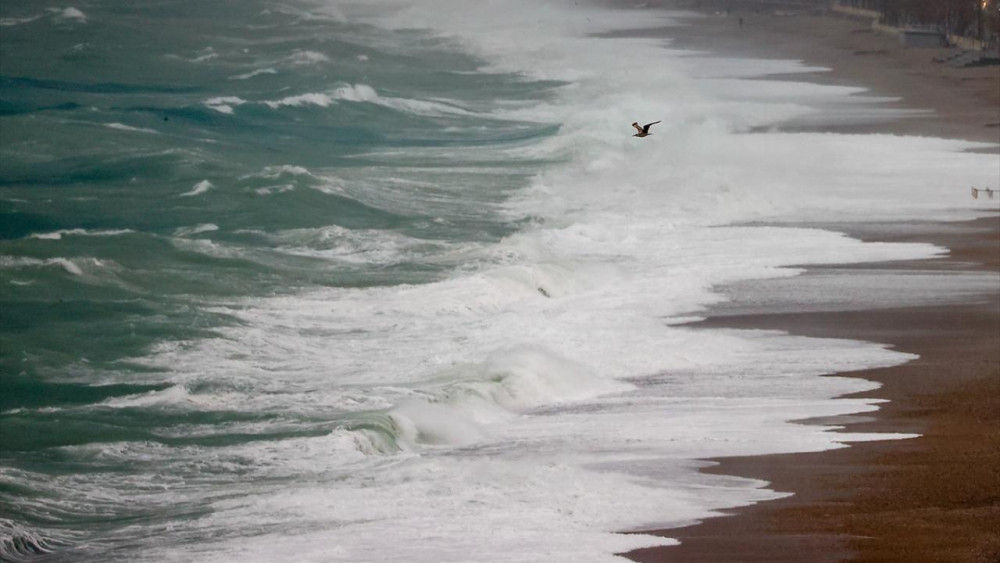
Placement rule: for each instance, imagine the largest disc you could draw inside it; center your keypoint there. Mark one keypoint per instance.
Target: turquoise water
(130, 264)
(109, 248)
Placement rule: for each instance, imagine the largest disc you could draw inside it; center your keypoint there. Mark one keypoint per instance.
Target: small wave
(198, 189)
(370, 246)
(196, 229)
(59, 15)
(511, 381)
(17, 262)
(299, 58)
(207, 54)
(68, 15)
(68, 265)
(123, 127)
(292, 177)
(175, 395)
(363, 93)
(58, 235)
(18, 543)
(276, 189)
(356, 93)
(272, 172)
(328, 13)
(224, 104)
(208, 247)
(254, 73)
(10, 22)
(314, 99)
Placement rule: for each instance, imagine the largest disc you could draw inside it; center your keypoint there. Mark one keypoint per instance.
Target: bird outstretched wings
(643, 130)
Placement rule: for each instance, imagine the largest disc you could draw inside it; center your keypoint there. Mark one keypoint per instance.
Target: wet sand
(932, 498)
(964, 103)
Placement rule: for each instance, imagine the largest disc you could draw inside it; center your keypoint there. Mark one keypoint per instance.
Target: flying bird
(644, 130)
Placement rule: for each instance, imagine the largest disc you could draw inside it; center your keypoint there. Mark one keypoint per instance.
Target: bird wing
(637, 128)
(645, 128)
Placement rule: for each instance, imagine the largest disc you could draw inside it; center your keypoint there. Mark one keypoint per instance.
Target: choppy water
(365, 281)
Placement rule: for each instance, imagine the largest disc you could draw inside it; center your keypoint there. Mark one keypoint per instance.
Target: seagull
(644, 130)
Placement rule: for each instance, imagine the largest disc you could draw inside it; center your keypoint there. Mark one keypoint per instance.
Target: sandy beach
(932, 498)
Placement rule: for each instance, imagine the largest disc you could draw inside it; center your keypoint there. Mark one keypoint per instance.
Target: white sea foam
(198, 189)
(68, 15)
(9, 22)
(18, 542)
(313, 99)
(274, 189)
(206, 54)
(359, 93)
(542, 398)
(90, 270)
(206, 247)
(285, 178)
(195, 230)
(272, 172)
(58, 235)
(224, 104)
(307, 58)
(123, 127)
(359, 246)
(254, 73)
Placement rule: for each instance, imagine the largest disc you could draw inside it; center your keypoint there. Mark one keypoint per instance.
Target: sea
(391, 280)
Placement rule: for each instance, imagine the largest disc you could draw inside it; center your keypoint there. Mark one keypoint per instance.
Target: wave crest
(18, 543)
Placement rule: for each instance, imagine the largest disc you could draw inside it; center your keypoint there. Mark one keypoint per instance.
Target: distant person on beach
(741, 23)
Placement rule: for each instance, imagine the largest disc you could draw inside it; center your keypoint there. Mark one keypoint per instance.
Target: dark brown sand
(932, 498)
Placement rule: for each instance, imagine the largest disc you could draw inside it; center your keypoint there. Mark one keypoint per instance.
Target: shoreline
(930, 498)
(942, 101)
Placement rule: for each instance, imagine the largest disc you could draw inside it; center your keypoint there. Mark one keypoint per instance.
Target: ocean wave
(195, 230)
(10, 22)
(67, 265)
(303, 57)
(363, 93)
(274, 189)
(314, 99)
(198, 189)
(351, 93)
(123, 127)
(87, 270)
(18, 543)
(68, 15)
(58, 235)
(361, 246)
(328, 13)
(272, 172)
(208, 247)
(171, 396)
(224, 104)
(290, 178)
(253, 73)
